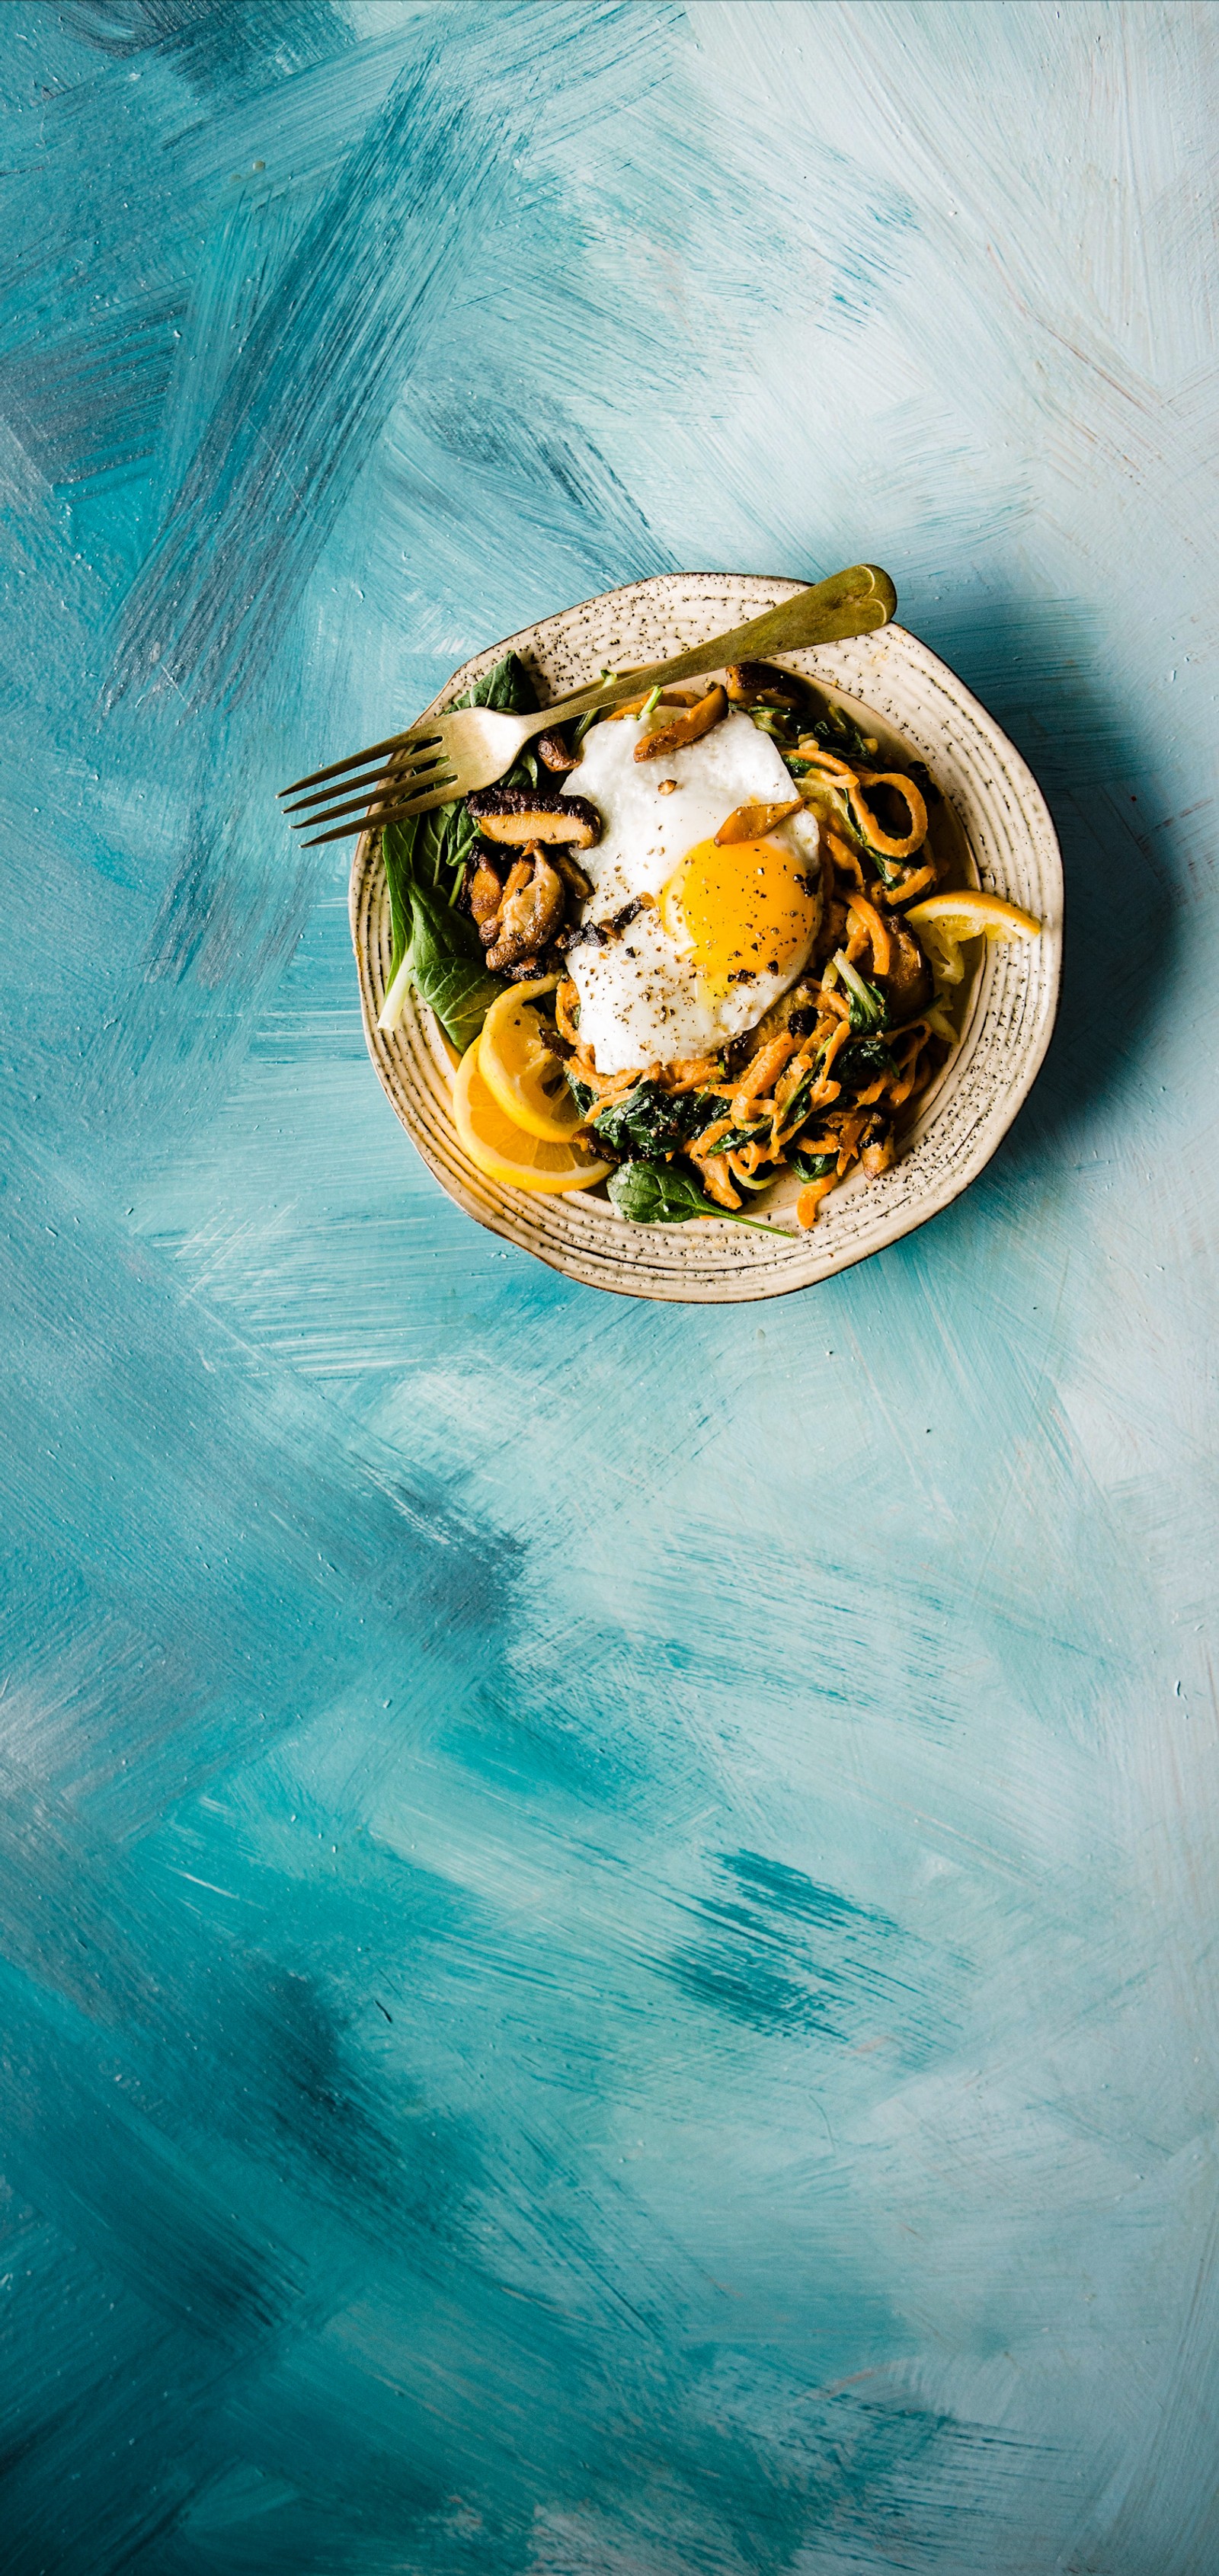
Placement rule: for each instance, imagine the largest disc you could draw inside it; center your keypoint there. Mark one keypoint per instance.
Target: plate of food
(723, 987)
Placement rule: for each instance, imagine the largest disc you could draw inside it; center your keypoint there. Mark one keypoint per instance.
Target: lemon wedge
(962, 912)
(520, 1068)
(957, 913)
(507, 1152)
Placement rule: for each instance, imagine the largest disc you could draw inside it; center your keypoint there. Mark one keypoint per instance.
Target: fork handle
(854, 602)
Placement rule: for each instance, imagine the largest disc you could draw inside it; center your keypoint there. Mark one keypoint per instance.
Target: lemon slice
(506, 1152)
(521, 1069)
(961, 912)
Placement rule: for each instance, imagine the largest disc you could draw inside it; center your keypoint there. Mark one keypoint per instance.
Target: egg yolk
(744, 909)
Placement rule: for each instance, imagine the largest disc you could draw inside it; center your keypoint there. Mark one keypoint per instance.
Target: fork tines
(417, 767)
(416, 734)
(372, 822)
(421, 773)
(371, 780)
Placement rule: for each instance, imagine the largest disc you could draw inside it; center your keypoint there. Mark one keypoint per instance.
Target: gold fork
(446, 756)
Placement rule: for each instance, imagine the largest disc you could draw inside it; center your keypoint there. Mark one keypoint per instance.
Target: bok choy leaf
(437, 948)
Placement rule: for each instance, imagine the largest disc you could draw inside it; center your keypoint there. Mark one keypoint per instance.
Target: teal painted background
(607, 1913)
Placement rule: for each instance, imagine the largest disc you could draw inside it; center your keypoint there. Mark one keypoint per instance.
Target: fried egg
(714, 935)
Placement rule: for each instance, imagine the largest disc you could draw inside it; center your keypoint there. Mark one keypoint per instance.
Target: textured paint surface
(606, 1912)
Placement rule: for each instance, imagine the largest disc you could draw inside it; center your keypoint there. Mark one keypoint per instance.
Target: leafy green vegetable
(738, 1136)
(650, 1123)
(582, 1092)
(662, 1194)
(868, 1007)
(861, 1062)
(794, 1110)
(836, 731)
(446, 964)
(812, 1167)
(425, 862)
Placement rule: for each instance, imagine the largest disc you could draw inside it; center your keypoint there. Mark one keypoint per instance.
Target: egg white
(641, 1001)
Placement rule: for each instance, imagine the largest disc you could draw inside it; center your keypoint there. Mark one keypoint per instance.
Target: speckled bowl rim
(1014, 851)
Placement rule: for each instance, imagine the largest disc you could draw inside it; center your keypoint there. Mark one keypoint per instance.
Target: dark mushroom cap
(555, 750)
(571, 871)
(749, 680)
(909, 986)
(531, 912)
(523, 814)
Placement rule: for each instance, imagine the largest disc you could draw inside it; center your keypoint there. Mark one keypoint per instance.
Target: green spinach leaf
(650, 1123)
(738, 1136)
(837, 731)
(662, 1194)
(795, 1109)
(861, 1062)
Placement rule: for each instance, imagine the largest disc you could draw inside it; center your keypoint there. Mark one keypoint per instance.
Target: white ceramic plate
(1011, 849)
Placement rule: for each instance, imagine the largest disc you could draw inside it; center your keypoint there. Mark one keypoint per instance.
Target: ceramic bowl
(1005, 839)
